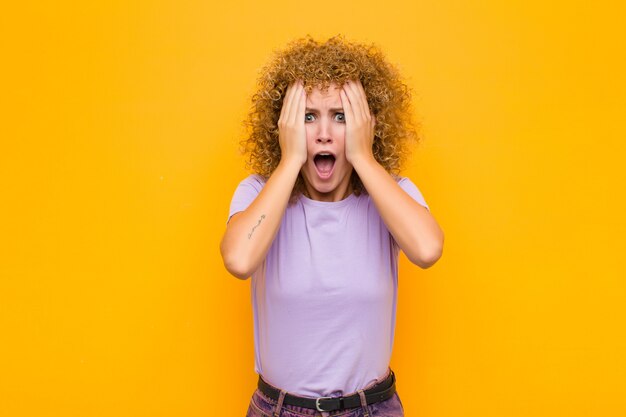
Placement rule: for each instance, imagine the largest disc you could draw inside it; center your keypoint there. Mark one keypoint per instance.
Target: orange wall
(119, 158)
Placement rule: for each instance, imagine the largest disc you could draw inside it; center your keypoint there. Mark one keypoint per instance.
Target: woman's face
(327, 178)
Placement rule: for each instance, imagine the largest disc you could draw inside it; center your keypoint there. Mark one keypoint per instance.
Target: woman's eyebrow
(334, 109)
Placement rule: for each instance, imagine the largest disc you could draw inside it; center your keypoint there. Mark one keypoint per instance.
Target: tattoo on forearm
(257, 225)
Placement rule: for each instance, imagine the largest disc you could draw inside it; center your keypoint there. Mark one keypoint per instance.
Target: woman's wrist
(290, 165)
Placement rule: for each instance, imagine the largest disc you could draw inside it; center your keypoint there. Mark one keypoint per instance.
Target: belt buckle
(317, 402)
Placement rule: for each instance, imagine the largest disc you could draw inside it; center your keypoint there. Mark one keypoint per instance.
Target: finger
(347, 106)
(355, 100)
(287, 103)
(366, 107)
(294, 106)
(361, 98)
(299, 106)
(283, 109)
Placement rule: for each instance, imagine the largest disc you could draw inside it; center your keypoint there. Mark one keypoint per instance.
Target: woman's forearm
(413, 227)
(250, 233)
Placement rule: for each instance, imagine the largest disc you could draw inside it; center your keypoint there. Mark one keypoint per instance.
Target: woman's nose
(323, 134)
(324, 139)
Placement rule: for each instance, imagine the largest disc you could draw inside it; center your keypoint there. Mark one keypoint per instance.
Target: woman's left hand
(359, 122)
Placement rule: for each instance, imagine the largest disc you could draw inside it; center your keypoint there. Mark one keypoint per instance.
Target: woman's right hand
(292, 133)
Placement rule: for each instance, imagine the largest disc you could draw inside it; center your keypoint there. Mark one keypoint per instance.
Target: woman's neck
(340, 193)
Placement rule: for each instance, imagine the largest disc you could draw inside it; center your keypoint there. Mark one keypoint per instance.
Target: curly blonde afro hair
(318, 64)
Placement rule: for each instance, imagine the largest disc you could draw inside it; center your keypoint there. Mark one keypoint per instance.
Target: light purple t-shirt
(324, 299)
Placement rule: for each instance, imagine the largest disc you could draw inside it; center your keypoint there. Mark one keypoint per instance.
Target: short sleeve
(411, 189)
(244, 195)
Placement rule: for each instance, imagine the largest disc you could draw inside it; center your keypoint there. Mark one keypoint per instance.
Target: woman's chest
(349, 255)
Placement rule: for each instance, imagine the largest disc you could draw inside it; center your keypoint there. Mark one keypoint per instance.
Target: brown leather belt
(379, 392)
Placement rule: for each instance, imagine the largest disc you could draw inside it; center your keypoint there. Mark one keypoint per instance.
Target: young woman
(319, 227)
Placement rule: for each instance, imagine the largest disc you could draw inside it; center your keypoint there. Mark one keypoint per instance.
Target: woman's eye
(342, 117)
(309, 117)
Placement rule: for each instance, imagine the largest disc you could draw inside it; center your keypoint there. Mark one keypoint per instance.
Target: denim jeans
(263, 406)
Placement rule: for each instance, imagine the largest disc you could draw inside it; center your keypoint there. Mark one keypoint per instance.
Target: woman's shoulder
(412, 189)
(255, 178)
(255, 181)
(400, 179)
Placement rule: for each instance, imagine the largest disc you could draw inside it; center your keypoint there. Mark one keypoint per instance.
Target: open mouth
(324, 164)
